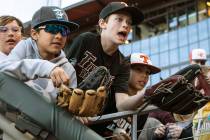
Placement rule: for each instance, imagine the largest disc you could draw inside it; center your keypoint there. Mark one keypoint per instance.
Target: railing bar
(123, 114)
(134, 126)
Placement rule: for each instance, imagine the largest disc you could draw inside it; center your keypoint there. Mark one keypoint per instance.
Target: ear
(34, 34)
(102, 23)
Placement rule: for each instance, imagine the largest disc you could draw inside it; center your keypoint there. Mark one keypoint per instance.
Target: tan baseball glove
(89, 98)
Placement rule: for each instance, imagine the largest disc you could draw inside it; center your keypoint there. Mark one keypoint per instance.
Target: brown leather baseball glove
(90, 96)
(177, 93)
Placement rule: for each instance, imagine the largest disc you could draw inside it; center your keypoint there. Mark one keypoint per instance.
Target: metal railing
(13, 134)
(125, 114)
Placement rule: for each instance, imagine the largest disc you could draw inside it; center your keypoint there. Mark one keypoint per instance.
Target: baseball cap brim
(153, 69)
(71, 25)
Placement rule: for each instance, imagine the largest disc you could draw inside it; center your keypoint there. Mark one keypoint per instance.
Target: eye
(119, 19)
(15, 29)
(148, 72)
(129, 22)
(3, 29)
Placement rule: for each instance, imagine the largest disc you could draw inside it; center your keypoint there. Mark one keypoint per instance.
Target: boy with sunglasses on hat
(40, 61)
(90, 50)
(41, 55)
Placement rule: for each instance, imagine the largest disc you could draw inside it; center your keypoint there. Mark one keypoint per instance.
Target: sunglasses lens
(54, 29)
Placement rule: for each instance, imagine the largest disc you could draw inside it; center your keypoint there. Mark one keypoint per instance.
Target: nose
(126, 24)
(58, 35)
(145, 75)
(10, 32)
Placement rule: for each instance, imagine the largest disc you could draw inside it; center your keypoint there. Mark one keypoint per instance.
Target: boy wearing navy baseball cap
(90, 50)
(40, 62)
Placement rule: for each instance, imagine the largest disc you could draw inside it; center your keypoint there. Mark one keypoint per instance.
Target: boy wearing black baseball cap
(89, 51)
(40, 61)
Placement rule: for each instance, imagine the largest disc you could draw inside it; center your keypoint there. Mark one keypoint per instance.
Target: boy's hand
(160, 131)
(174, 131)
(59, 76)
(84, 120)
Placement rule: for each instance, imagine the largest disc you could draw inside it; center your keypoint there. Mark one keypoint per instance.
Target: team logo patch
(59, 13)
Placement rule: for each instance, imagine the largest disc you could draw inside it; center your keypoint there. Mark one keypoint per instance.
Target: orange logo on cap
(201, 54)
(145, 58)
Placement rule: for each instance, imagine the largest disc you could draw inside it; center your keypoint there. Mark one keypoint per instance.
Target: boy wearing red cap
(198, 56)
(141, 68)
(201, 120)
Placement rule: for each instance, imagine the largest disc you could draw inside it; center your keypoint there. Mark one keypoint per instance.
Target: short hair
(98, 28)
(4, 20)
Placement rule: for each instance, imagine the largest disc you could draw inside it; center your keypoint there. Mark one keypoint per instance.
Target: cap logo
(126, 5)
(145, 58)
(58, 13)
(201, 54)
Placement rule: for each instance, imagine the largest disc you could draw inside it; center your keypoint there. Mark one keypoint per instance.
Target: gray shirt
(25, 63)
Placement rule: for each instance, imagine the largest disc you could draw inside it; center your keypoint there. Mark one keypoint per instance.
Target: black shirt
(86, 53)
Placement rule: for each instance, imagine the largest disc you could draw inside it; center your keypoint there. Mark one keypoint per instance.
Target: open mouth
(123, 35)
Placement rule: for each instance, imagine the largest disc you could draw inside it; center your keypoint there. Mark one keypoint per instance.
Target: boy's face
(117, 27)
(49, 44)
(10, 35)
(139, 76)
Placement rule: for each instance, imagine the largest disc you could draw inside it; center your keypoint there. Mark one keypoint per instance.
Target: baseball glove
(177, 93)
(89, 98)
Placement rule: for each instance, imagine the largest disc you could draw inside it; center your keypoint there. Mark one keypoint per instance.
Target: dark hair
(4, 20)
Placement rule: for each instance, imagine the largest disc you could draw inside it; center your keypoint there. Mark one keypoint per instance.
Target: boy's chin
(121, 42)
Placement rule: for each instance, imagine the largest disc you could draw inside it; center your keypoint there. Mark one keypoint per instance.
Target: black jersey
(86, 53)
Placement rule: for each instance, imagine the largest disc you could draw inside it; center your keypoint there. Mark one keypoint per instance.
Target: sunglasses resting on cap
(54, 29)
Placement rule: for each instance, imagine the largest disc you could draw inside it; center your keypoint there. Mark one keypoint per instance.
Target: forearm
(126, 102)
(27, 69)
